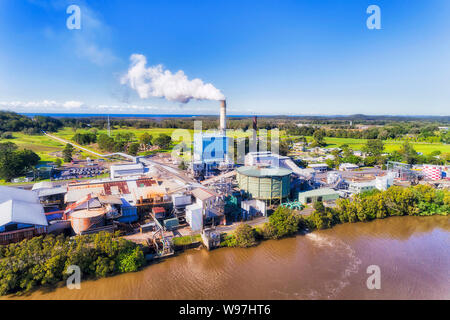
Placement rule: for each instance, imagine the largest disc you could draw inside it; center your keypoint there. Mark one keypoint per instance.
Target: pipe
(223, 116)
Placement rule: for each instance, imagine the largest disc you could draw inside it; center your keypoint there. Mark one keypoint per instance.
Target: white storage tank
(194, 217)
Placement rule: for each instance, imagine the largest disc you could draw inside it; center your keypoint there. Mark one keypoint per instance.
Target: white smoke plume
(154, 81)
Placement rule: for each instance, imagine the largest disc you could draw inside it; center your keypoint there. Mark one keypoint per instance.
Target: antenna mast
(109, 127)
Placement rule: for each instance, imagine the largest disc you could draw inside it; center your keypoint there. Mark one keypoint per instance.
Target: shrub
(281, 223)
(245, 236)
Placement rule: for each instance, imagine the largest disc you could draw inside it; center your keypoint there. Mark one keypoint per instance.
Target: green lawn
(40, 144)
(45, 146)
(186, 240)
(390, 145)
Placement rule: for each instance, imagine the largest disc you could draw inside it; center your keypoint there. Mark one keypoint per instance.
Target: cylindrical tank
(265, 183)
(83, 220)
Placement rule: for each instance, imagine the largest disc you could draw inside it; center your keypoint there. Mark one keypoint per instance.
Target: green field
(46, 147)
(390, 145)
(40, 144)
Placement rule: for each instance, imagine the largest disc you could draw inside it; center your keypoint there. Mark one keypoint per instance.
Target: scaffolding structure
(403, 171)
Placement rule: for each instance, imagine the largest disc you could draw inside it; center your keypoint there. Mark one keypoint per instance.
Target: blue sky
(266, 57)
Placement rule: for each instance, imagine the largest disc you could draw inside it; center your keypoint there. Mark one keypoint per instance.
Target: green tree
(318, 138)
(281, 223)
(245, 236)
(409, 155)
(163, 141)
(145, 139)
(14, 162)
(58, 162)
(374, 147)
(182, 165)
(67, 152)
(133, 148)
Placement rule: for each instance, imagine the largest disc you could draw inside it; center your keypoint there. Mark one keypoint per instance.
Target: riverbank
(111, 259)
(324, 264)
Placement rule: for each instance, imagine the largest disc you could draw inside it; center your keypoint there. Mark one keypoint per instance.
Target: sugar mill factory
(150, 200)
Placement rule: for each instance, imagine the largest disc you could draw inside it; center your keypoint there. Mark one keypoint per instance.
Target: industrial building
(358, 187)
(126, 170)
(270, 184)
(348, 167)
(322, 194)
(92, 212)
(207, 209)
(253, 208)
(21, 215)
(211, 149)
(432, 172)
(319, 167)
(264, 158)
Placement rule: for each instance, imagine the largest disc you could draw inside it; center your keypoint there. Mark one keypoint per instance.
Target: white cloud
(72, 106)
(154, 81)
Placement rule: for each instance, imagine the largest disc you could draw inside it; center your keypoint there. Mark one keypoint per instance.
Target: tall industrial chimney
(223, 116)
(255, 129)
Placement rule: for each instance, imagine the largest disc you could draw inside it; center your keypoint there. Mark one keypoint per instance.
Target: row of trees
(85, 138)
(126, 142)
(43, 261)
(14, 162)
(420, 200)
(14, 122)
(415, 132)
(282, 223)
(375, 155)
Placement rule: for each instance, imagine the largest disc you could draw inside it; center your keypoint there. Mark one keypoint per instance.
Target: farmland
(46, 147)
(390, 145)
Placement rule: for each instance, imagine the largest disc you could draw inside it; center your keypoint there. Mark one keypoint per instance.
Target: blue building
(129, 212)
(210, 148)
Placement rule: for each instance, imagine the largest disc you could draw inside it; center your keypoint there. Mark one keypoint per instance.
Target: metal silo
(267, 184)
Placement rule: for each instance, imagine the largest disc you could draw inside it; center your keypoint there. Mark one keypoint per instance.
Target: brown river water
(413, 254)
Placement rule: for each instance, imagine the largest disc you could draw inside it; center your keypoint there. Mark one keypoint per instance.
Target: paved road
(90, 151)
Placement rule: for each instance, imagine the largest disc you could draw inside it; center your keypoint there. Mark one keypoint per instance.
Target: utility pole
(109, 127)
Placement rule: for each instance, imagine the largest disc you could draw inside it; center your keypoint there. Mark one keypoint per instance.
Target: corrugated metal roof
(110, 199)
(9, 193)
(120, 167)
(77, 194)
(52, 191)
(317, 192)
(203, 194)
(42, 185)
(264, 172)
(17, 211)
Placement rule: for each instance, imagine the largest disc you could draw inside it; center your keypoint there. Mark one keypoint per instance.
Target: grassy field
(46, 147)
(40, 144)
(390, 145)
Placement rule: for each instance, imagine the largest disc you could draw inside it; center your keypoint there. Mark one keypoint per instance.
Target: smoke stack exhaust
(223, 116)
